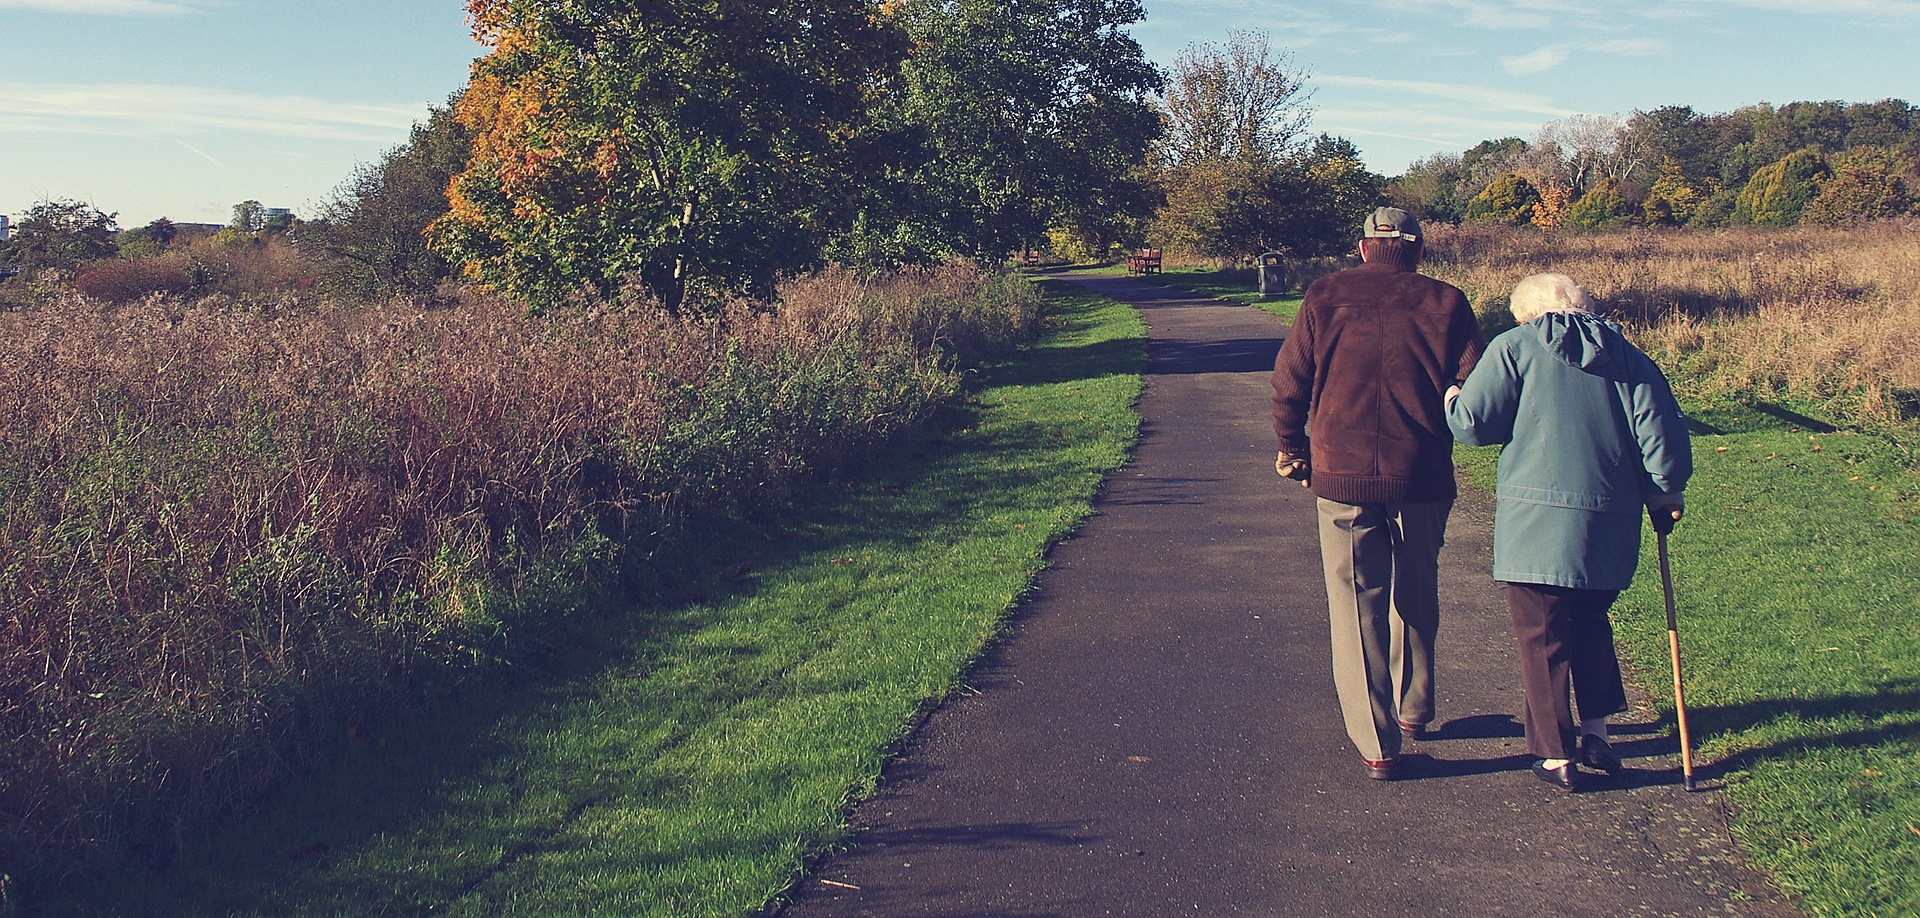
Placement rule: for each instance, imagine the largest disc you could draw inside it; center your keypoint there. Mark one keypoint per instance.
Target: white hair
(1543, 293)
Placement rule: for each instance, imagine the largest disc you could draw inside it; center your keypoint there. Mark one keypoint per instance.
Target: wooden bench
(1029, 259)
(1144, 261)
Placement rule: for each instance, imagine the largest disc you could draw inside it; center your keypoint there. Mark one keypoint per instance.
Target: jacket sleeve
(1666, 448)
(1469, 342)
(1293, 386)
(1489, 400)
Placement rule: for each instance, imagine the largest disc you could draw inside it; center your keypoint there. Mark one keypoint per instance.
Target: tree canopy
(1761, 164)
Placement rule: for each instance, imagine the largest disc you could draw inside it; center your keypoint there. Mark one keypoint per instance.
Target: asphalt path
(1158, 733)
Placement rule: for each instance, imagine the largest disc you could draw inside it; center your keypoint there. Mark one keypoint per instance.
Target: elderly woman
(1592, 435)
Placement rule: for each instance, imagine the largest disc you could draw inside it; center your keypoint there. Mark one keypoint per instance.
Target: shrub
(1868, 183)
(1780, 190)
(123, 281)
(1510, 199)
(1601, 208)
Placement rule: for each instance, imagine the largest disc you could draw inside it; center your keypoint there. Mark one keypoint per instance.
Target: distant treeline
(1826, 163)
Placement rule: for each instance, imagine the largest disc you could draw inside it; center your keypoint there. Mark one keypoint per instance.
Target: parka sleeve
(1489, 400)
(1666, 447)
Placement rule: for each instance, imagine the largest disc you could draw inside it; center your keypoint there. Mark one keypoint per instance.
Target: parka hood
(1588, 342)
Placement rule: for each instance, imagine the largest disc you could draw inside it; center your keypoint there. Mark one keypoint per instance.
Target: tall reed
(1818, 316)
(230, 537)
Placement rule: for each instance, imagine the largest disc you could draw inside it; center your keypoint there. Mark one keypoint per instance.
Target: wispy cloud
(177, 111)
(102, 7)
(1491, 14)
(1538, 61)
(1479, 97)
(1882, 9)
(1551, 56)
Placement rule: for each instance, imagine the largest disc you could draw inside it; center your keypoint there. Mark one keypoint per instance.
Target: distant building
(5, 228)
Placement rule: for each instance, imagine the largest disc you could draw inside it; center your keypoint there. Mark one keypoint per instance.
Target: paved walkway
(1159, 735)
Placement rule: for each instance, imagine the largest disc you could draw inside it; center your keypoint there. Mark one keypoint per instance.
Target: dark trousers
(1564, 633)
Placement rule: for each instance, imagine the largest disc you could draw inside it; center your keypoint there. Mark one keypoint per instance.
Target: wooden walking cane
(1673, 642)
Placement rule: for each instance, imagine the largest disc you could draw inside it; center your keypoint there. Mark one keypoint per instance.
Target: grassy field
(1796, 572)
(686, 765)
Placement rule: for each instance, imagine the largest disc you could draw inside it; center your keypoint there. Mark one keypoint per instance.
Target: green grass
(686, 761)
(1797, 580)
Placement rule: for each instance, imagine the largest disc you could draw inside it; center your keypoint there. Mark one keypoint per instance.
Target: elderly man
(1357, 409)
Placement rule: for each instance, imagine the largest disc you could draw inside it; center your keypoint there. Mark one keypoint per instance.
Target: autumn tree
(691, 145)
(1235, 101)
(1240, 174)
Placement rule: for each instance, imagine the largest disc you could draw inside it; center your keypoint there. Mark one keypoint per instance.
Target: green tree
(1886, 123)
(1314, 201)
(1029, 116)
(1673, 199)
(1429, 189)
(373, 232)
(692, 145)
(1867, 183)
(248, 216)
(146, 241)
(60, 234)
(1780, 190)
(1510, 199)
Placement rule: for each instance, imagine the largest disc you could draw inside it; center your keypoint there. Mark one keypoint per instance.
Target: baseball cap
(1392, 223)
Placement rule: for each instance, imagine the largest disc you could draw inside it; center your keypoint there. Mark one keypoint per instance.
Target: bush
(1780, 190)
(1510, 200)
(1868, 183)
(121, 281)
(1601, 208)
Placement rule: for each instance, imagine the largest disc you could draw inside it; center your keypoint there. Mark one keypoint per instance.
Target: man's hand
(1664, 510)
(1293, 467)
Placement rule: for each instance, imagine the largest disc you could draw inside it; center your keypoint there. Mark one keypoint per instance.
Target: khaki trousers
(1382, 564)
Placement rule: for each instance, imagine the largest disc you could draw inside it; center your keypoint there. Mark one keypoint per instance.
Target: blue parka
(1592, 433)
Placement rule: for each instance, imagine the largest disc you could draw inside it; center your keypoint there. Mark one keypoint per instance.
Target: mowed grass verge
(688, 763)
(1797, 583)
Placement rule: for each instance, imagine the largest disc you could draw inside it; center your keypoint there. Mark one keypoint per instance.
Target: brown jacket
(1357, 386)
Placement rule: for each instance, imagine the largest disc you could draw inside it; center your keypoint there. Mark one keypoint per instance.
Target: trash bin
(1273, 274)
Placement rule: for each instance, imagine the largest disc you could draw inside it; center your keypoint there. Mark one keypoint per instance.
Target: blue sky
(182, 108)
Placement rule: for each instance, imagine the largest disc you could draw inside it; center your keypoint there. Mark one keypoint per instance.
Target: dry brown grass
(1818, 316)
(229, 536)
